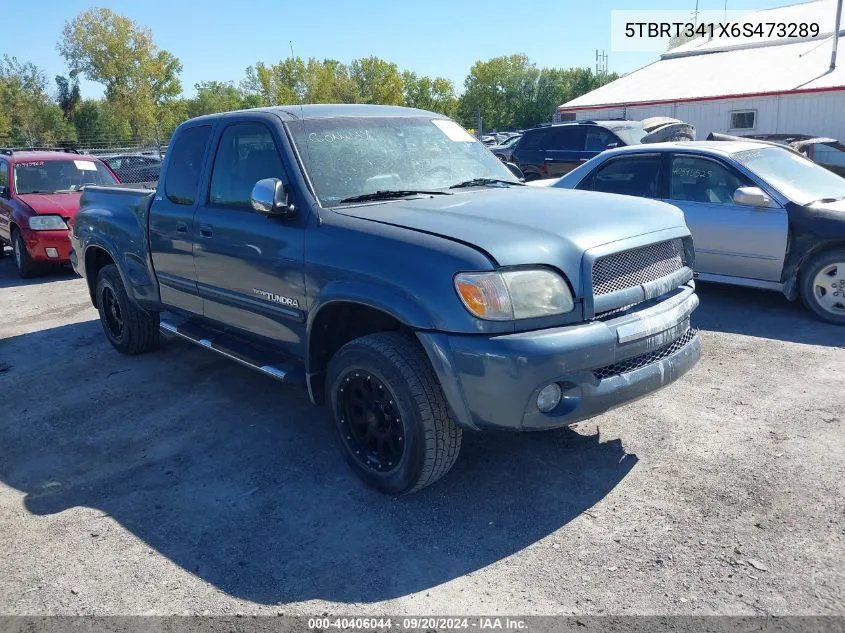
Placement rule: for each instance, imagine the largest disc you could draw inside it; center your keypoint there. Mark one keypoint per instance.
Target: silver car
(760, 215)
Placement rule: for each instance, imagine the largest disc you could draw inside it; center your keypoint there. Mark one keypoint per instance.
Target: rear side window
(533, 140)
(247, 153)
(629, 176)
(183, 177)
(568, 138)
(4, 173)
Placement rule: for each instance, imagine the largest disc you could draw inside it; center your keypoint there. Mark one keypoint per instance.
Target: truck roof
(329, 110)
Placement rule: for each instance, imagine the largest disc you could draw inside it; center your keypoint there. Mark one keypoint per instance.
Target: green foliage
(215, 96)
(113, 50)
(143, 99)
(28, 117)
(436, 95)
(378, 81)
(511, 92)
(67, 95)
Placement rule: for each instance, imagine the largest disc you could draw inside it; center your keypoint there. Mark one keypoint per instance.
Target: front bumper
(37, 243)
(492, 382)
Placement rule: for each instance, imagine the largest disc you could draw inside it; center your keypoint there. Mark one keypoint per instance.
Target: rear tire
(129, 329)
(393, 424)
(823, 286)
(24, 264)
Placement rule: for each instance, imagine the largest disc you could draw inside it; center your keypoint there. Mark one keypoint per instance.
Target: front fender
(390, 299)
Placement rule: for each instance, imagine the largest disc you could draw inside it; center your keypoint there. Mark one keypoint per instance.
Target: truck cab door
(250, 266)
(171, 220)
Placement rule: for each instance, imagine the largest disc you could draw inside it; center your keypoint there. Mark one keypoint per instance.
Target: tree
(500, 88)
(113, 50)
(378, 81)
(512, 92)
(215, 96)
(276, 84)
(67, 95)
(28, 117)
(437, 95)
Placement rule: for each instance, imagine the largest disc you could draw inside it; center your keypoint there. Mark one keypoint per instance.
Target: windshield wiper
(480, 182)
(387, 194)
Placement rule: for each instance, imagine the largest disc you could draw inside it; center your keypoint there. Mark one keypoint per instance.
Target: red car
(39, 196)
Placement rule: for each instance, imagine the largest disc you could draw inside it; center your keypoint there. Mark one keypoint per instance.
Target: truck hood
(63, 204)
(528, 225)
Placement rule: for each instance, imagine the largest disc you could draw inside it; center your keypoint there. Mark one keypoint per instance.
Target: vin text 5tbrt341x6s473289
(386, 260)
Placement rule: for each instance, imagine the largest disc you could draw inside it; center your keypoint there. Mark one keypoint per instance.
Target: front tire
(393, 424)
(24, 264)
(823, 286)
(129, 329)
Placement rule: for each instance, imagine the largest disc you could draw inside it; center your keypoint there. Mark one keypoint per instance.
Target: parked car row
(550, 151)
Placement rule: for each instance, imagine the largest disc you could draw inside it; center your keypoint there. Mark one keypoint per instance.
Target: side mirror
(612, 145)
(752, 197)
(515, 170)
(270, 197)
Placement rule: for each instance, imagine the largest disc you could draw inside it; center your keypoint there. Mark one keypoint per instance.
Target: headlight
(47, 223)
(514, 294)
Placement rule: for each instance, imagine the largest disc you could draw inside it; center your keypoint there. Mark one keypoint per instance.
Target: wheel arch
(335, 322)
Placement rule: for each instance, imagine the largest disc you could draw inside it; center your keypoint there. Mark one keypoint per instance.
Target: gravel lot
(181, 483)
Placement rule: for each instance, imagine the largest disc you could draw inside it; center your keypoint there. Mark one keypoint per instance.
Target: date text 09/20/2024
(417, 623)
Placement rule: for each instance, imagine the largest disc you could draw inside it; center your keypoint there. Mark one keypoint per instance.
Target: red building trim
(749, 95)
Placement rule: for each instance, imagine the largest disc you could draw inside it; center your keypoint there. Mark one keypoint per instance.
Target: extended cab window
(629, 176)
(698, 179)
(4, 174)
(183, 177)
(247, 153)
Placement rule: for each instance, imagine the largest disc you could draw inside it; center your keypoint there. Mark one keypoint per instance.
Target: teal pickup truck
(388, 262)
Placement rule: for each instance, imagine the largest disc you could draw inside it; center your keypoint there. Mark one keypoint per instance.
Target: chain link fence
(132, 161)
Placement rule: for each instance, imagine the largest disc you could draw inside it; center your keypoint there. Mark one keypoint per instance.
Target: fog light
(51, 252)
(549, 397)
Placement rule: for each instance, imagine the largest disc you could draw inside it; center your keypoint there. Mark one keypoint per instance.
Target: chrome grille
(638, 362)
(637, 266)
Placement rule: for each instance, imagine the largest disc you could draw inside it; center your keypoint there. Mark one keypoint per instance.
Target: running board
(235, 348)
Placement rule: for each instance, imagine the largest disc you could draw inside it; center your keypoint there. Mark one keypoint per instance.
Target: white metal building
(737, 85)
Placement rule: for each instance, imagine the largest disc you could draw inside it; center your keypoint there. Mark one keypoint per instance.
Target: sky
(218, 40)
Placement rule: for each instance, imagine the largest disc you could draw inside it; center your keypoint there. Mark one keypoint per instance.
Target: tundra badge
(271, 296)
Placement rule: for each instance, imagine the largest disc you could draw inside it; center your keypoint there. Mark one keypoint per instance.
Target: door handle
(205, 230)
(181, 227)
(583, 160)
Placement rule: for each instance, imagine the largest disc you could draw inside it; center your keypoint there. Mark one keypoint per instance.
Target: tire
(129, 329)
(823, 285)
(429, 439)
(530, 176)
(24, 264)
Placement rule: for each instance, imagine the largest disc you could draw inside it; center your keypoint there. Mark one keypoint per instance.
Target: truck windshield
(796, 177)
(347, 157)
(58, 176)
